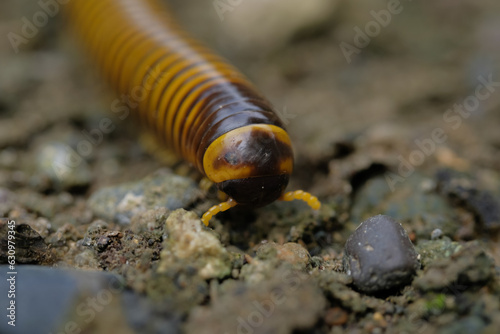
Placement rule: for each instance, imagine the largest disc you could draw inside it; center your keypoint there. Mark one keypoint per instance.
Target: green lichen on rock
(431, 250)
(466, 268)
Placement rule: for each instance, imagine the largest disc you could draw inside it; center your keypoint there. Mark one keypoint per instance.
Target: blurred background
(309, 58)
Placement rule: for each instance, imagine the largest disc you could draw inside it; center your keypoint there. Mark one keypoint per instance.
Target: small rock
(336, 316)
(30, 246)
(259, 270)
(65, 233)
(463, 191)
(436, 234)
(379, 255)
(151, 221)
(160, 189)
(189, 242)
(102, 243)
(42, 226)
(62, 166)
(379, 318)
(94, 231)
(107, 239)
(290, 252)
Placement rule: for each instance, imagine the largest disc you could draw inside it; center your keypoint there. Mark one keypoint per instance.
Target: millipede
(194, 101)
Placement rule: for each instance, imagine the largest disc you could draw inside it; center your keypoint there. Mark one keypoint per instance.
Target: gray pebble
(52, 300)
(379, 255)
(63, 167)
(436, 234)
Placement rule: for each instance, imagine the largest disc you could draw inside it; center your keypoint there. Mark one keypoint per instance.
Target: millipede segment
(190, 98)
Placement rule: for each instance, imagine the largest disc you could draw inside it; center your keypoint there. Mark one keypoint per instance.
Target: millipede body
(194, 101)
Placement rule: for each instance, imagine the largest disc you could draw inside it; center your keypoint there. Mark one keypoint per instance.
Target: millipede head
(251, 164)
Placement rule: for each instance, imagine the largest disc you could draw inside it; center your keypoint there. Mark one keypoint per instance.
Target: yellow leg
(311, 200)
(205, 184)
(222, 196)
(216, 209)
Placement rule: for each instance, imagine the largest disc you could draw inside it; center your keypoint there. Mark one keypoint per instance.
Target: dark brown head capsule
(251, 164)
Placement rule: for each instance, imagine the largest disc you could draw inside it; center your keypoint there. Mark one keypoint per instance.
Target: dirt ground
(392, 107)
